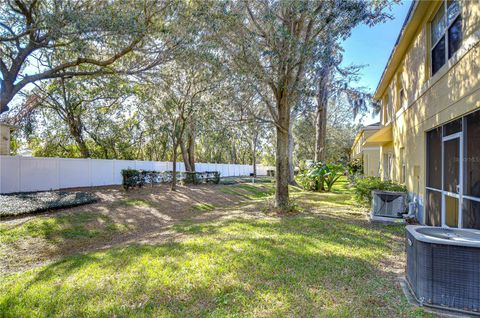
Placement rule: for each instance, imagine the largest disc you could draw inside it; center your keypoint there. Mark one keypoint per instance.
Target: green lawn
(327, 261)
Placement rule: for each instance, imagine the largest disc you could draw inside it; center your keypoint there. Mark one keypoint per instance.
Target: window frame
(401, 94)
(401, 97)
(385, 110)
(443, 6)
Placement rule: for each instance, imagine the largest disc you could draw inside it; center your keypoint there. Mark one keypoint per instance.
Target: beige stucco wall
(451, 93)
(370, 155)
(371, 161)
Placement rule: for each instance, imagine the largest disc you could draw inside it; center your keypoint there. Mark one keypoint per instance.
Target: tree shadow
(282, 268)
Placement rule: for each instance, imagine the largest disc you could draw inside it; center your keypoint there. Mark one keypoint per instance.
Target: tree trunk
(320, 129)
(82, 146)
(6, 94)
(186, 160)
(321, 115)
(291, 166)
(191, 146)
(174, 168)
(281, 162)
(75, 127)
(254, 154)
(234, 153)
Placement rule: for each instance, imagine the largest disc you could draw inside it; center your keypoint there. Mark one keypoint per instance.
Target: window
(434, 158)
(387, 166)
(446, 33)
(385, 116)
(403, 172)
(365, 164)
(402, 97)
(400, 91)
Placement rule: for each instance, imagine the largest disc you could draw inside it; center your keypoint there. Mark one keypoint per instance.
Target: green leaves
(321, 176)
(365, 185)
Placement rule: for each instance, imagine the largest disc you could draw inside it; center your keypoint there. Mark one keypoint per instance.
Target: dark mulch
(16, 204)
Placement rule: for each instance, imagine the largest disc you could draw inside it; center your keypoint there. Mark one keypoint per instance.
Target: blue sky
(371, 46)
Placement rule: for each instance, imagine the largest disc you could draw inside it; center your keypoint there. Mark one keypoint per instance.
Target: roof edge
(400, 37)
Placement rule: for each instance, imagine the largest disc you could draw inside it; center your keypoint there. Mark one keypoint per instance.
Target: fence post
(113, 172)
(20, 174)
(57, 168)
(90, 171)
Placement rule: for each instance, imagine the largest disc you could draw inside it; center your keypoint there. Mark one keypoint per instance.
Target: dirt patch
(138, 216)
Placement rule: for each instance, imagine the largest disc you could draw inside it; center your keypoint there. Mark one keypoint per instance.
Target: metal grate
(388, 203)
(444, 275)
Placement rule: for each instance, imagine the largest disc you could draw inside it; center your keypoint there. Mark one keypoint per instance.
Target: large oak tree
(273, 42)
(45, 39)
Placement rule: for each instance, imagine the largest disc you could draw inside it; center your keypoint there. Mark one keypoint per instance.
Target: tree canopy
(214, 81)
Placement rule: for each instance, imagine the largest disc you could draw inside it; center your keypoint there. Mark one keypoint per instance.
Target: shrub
(202, 177)
(355, 166)
(138, 178)
(132, 178)
(332, 174)
(320, 176)
(363, 187)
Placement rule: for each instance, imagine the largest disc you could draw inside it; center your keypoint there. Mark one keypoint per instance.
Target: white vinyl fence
(26, 174)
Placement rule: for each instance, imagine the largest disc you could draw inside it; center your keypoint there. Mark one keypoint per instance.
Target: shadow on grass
(302, 266)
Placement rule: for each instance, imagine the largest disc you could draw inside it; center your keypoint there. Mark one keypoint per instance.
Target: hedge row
(138, 178)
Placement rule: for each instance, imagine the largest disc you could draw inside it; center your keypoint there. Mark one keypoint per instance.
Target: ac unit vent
(389, 203)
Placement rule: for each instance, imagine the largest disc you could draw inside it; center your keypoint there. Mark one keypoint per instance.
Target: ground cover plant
(16, 204)
(224, 255)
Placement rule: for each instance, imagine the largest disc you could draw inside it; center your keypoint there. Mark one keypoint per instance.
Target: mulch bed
(22, 203)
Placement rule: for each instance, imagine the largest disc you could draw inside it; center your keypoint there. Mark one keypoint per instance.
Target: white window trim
(467, 45)
(445, 34)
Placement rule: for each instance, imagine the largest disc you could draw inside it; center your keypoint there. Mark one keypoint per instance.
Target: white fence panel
(74, 173)
(223, 168)
(162, 166)
(9, 174)
(143, 165)
(102, 172)
(120, 165)
(262, 170)
(38, 174)
(24, 174)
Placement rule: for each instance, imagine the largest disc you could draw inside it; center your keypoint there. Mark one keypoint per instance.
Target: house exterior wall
(370, 155)
(371, 161)
(430, 100)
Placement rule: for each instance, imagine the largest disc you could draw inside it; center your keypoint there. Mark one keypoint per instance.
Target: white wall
(24, 174)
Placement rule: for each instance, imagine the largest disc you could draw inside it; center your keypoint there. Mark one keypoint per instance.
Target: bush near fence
(138, 178)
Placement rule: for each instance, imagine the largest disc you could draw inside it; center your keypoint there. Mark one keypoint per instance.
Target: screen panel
(434, 158)
(452, 127)
(472, 155)
(451, 211)
(451, 165)
(471, 214)
(434, 208)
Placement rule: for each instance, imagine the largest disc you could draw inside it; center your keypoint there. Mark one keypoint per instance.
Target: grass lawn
(225, 258)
